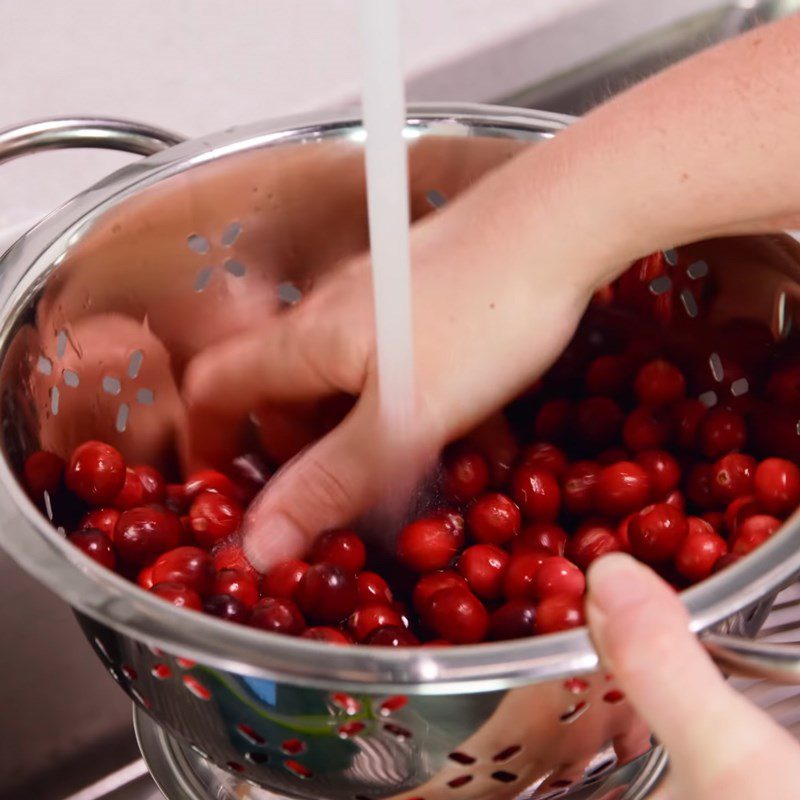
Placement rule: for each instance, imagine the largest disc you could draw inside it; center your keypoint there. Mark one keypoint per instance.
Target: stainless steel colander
(103, 303)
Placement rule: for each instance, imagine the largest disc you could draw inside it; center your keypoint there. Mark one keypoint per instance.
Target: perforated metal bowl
(103, 303)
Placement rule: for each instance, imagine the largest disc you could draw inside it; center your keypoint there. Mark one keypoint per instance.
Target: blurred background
(201, 66)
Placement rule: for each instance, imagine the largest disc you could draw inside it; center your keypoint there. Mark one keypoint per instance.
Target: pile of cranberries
(654, 434)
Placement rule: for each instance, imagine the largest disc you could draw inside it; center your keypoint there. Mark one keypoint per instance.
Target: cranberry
(699, 552)
(277, 616)
(514, 620)
(429, 584)
(518, 579)
(754, 531)
(283, 579)
(663, 471)
(132, 493)
(366, 619)
(687, 416)
(189, 566)
(621, 488)
(536, 492)
(214, 518)
(96, 473)
(153, 485)
(541, 537)
(178, 594)
(608, 376)
(554, 420)
(429, 543)
(659, 383)
(483, 567)
(96, 545)
(175, 498)
(327, 594)
(103, 519)
(676, 500)
(777, 485)
(698, 486)
(250, 474)
(340, 547)
(236, 584)
(622, 533)
(145, 577)
(739, 510)
(546, 456)
(590, 543)
(457, 615)
(43, 472)
(391, 636)
(466, 474)
(716, 519)
(732, 476)
(142, 534)
(209, 480)
(645, 429)
(613, 454)
(721, 431)
(577, 488)
(373, 590)
(656, 533)
(232, 556)
(494, 518)
(226, 607)
(598, 421)
(326, 634)
(559, 612)
(557, 576)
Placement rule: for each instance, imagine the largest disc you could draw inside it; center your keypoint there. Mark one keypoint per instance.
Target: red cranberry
(622, 533)
(283, 579)
(659, 383)
(698, 486)
(777, 485)
(327, 594)
(250, 474)
(716, 519)
(739, 510)
(559, 612)
(373, 590)
(365, 620)
(179, 595)
(189, 566)
(96, 545)
(645, 429)
(656, 533)
(721, 431)
(699, 552)
(466, 474)
(153, 485)
(754, 531)
(226, 607)
(145, 578)
(577, 488)
(429, 543)
(429, 584)
(236, 584)
(554, 420)
(209, 480)
(175, 498)
(732, 477)
(538, 537)
(687, 416)
(514, 620)
(608, 376)
(103, 519)
(132, 493)
(676, 500)
(391, 636)
(483, 567)
(598, 421)
(590, 543)
(142, 534)
(340, 547)
(621, 488)
(326, 634)
(613, 454)
(43, 472)
(536, 492)
(457, 615)
(558, 576)
(494, 518)
(519, 575)
(277, 616)
(545, 456)
(662, 469)
(232, 556)
(96, 473)
(214, 518)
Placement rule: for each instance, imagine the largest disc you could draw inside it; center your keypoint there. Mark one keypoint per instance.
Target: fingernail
(617, 582)
(270, 540)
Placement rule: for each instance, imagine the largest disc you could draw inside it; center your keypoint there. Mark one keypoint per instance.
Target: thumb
(640, 627)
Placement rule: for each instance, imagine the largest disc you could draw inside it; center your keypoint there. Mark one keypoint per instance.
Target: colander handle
(753, 659)
(109, 134)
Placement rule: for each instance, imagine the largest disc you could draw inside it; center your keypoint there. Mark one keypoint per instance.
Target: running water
(384, 115)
